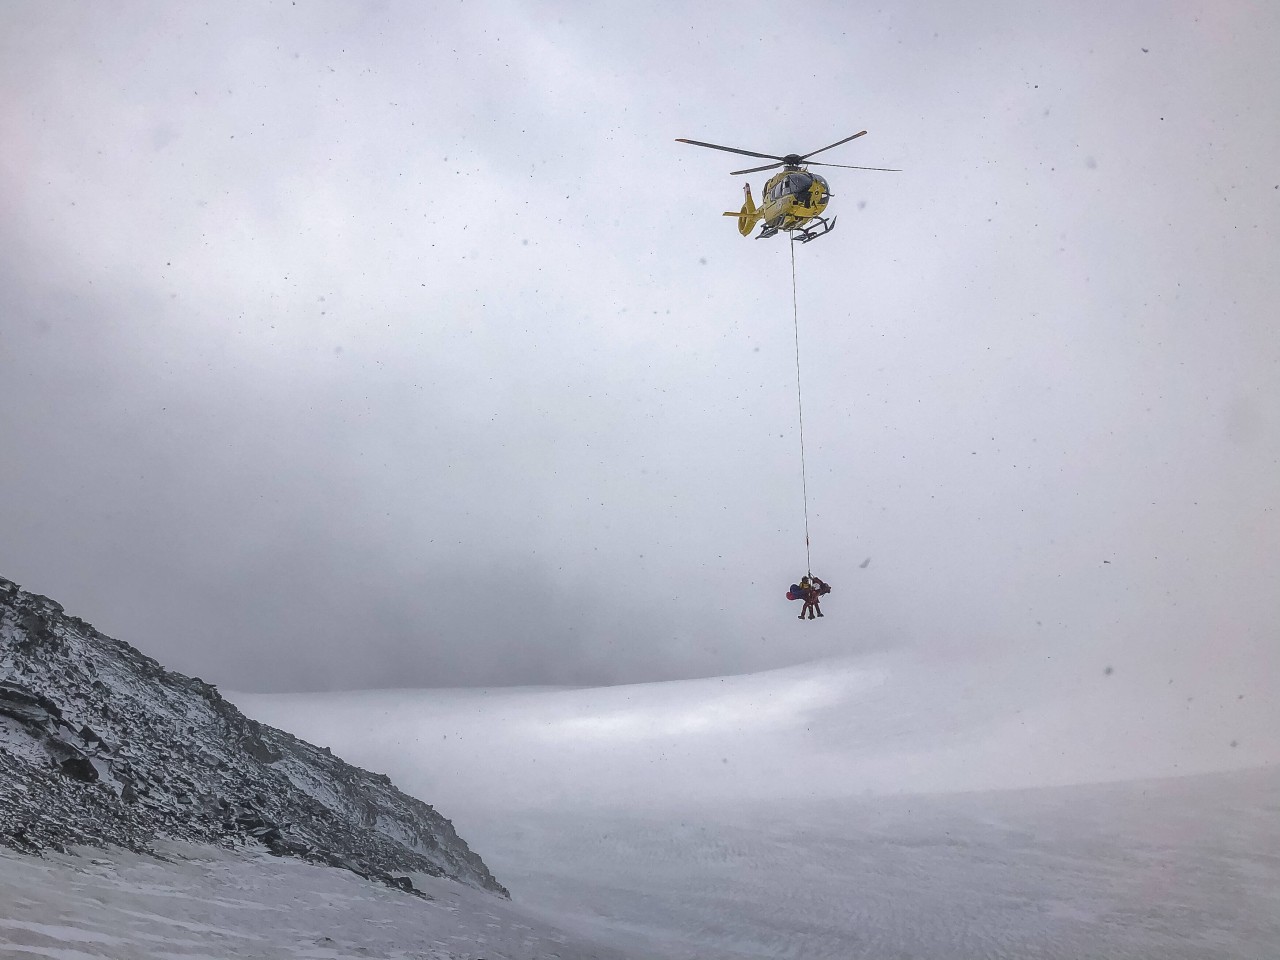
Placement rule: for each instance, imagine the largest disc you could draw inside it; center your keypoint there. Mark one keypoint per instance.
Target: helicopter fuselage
(793, 200)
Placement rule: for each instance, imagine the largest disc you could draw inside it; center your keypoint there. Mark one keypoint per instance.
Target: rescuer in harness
(811, 590)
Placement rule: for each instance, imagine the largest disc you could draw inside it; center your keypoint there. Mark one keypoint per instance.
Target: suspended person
(809, 591)
(812, 590)
(805, 591)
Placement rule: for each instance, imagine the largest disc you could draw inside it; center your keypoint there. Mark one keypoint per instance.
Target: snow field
(887, 807)
(209, 904)
(894, 805)
(1183, 869)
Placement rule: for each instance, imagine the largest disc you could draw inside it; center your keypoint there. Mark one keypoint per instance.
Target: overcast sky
(398, 344)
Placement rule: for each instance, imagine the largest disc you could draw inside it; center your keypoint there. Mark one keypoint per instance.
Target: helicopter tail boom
(748, 215)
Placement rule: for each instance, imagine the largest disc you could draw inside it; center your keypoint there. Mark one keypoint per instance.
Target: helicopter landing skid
(813, 233)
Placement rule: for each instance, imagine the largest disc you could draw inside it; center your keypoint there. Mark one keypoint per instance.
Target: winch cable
(804, 481)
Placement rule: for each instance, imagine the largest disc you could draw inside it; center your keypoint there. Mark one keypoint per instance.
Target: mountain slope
(99, 744)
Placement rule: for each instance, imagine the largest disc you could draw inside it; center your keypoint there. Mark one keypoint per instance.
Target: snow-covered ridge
(100, 744)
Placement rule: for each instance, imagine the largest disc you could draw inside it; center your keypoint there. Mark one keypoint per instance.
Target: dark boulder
(79, 768)
(28, 706)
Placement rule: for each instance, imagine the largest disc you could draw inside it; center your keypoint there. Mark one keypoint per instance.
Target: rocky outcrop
(101, 745)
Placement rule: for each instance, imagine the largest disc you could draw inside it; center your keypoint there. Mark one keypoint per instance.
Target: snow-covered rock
(101, 745)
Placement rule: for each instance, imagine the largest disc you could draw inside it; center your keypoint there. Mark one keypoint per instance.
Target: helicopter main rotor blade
(716, 146)
(860, 133)
(845, 166)
(734, 173)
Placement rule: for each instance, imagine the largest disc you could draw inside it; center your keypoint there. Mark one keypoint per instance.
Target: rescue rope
(804, 481)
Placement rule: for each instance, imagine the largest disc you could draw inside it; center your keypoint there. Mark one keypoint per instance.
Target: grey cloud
(402, 347)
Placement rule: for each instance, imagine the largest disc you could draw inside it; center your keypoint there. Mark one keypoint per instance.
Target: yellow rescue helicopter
(794, 198)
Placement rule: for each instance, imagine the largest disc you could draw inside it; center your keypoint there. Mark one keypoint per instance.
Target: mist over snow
(892, 723)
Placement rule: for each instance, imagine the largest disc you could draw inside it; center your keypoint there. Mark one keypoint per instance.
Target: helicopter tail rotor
(748, 215)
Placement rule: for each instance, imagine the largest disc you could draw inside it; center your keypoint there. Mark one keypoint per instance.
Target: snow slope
(207, 903)
(1187, 869)
(1184, 869)
(890, 807)
(894, 806)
